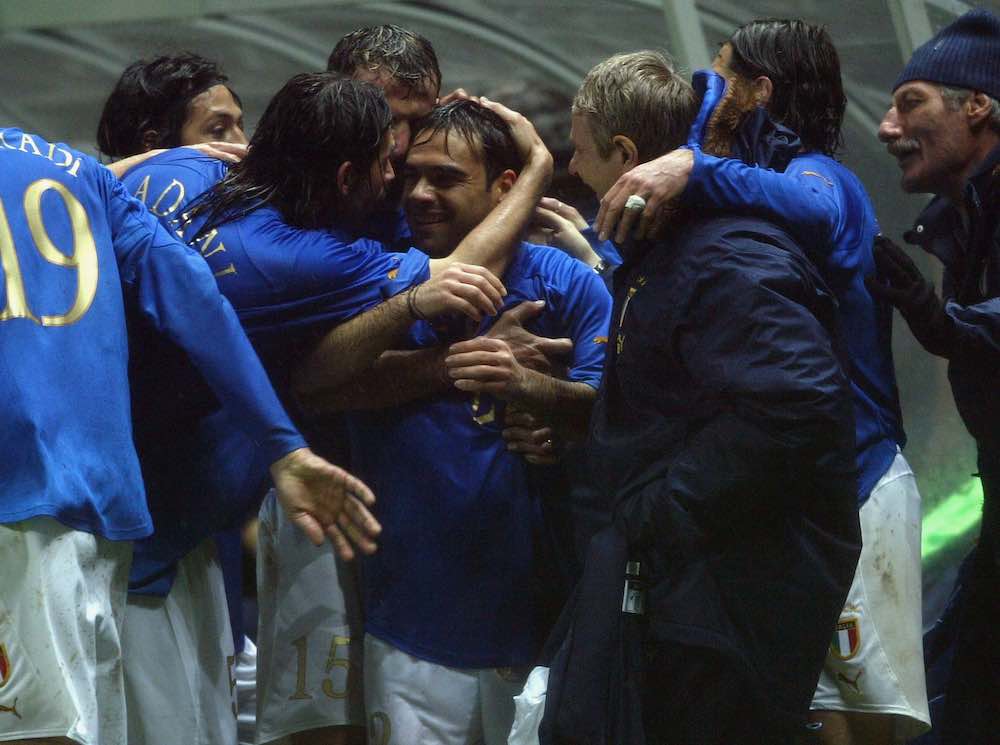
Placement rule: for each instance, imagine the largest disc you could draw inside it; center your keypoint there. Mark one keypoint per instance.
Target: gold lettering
(84, 256)
(75, 169)
(379, 720)
(300, 679)
(69, 159)
(143, 191)
(333, 661)
(17, 302)
(26, 140)
(223, 272)
(174, 183)
(482, 413)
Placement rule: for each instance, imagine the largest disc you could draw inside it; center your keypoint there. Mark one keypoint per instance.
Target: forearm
(803, 201)
(350, 349)
(396, 378)
(123, 166)
(492, 242)
(566, 403)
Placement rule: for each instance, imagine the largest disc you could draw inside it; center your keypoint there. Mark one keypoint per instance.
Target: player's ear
(503, 183)
(150, 139)
(345, 178)
(762, 90)
(628, 151)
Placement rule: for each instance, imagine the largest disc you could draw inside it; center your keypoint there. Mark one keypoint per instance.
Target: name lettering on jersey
(175, 191)
(600, 340)
(60, 157)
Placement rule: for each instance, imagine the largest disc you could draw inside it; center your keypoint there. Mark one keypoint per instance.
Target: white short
(309, 639)
(178, 653)
(62, 600)
(412, 701)
(246, 692)
(876, 662)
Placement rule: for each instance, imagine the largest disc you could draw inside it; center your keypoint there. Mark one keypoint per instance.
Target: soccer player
(944, 129)
(281, 231)
(167, 101)
(451, 606)
(176, 641)
(77, 253)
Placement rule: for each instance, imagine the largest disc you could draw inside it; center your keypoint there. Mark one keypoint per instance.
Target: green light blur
(952, 519)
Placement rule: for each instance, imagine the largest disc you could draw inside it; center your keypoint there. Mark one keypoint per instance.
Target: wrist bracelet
(411, 304)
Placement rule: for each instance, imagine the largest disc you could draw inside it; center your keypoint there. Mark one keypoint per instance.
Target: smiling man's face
(445, 191)
(931, 140)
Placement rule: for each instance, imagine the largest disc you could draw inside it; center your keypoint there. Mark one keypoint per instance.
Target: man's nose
(889, 129)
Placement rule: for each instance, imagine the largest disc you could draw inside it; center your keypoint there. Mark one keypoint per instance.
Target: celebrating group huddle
(647, 490)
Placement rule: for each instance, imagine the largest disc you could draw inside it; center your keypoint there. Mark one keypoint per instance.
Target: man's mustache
(900, 148)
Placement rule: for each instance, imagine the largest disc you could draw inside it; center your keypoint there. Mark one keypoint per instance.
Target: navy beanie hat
(964, 54)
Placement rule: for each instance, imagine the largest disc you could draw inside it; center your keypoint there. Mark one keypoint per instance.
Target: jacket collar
(940, 218)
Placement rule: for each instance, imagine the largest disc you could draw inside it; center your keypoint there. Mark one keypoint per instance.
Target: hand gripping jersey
(288, 286)
(452, 580)
(77, 253)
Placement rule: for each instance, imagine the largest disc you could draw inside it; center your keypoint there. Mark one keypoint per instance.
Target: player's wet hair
(153, 96)
(804, 68)
(485, 132)
(395, 52)
(313, 125)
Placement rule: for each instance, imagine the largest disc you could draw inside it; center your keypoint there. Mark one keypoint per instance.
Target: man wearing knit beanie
(944, 130)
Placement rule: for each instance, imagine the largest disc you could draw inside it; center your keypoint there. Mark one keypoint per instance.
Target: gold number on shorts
(483, 412)
(83, 257)
(300, 678)
(333, 661)
(375, 720)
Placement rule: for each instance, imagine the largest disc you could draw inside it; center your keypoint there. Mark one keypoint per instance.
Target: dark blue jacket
(723, 441)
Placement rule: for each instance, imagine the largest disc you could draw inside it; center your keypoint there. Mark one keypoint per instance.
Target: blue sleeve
(802, 197)
(586, 313)
(605, 249)
(175, 290)
(329, 283)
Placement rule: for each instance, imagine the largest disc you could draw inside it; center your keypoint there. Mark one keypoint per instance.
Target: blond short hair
(639, 95)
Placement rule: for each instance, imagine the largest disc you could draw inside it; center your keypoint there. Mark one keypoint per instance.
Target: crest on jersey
(846, 638)
(4, 666)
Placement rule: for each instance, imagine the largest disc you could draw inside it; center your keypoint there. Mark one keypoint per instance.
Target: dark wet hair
(313, 125)
(153, 95)
(484, 131)
(802, 63)
(400, 54)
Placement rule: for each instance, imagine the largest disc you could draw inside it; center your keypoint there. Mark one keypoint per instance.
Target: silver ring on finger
(635, 202)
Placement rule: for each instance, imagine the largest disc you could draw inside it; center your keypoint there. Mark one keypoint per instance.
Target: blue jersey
(288, 286)
(76, 252)
(452, 579)
(825, 205)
